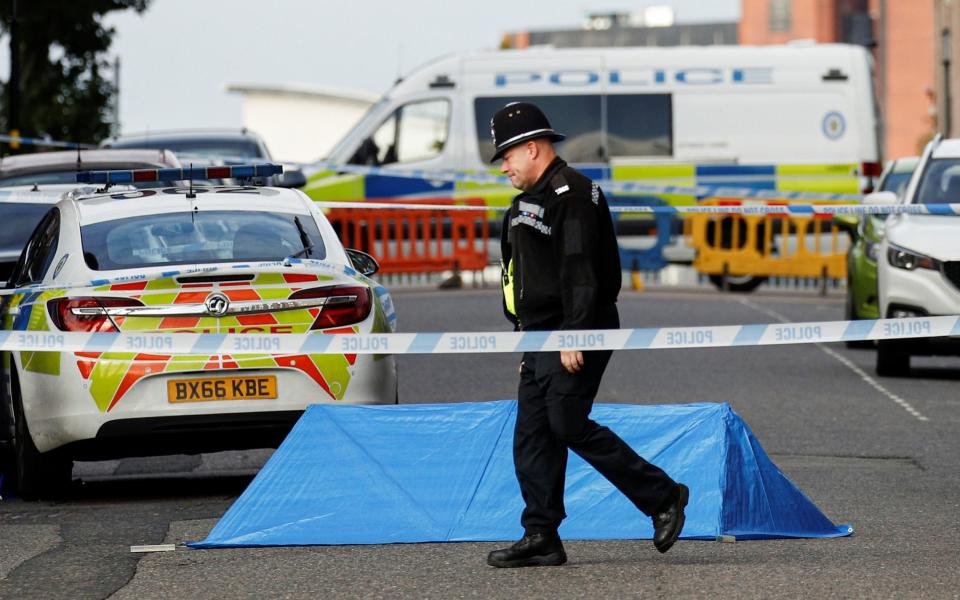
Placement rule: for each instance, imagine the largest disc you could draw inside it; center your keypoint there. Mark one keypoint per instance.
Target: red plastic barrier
(413, 241)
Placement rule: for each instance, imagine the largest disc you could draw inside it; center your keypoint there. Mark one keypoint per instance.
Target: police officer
(562, 271)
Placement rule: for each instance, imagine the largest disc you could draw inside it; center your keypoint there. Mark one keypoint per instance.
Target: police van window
(414, 132)
(422, 130)
(639, 125)
(383, 148)
(577, 117)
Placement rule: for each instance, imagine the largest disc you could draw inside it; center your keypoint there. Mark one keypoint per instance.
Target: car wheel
(892, 361)
(742, 283)
(850, 314)
(39, 474)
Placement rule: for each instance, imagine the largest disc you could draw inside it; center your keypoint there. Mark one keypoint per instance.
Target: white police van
(791, 117)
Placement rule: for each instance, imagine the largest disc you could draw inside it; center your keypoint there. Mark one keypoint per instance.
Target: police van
(799, 117)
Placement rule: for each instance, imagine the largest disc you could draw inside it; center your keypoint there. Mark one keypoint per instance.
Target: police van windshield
(199, 237)
(342, 149)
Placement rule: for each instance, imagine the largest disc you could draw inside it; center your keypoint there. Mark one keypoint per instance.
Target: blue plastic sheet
(444, 472)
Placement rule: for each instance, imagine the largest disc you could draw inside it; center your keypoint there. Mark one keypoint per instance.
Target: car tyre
(40, 475)
(892, 361)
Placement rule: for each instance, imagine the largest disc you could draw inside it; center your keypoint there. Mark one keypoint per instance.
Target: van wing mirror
(363, 262)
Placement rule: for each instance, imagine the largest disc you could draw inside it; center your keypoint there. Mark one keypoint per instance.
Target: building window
(779, 15)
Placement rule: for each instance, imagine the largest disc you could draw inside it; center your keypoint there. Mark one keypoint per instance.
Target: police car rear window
(199, 237)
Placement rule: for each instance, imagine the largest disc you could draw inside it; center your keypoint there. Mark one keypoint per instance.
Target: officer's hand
(572, 360)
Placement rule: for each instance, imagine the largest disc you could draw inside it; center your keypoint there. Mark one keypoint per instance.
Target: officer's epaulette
(559, 184)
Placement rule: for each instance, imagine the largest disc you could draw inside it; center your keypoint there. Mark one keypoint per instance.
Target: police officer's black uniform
(563, 265)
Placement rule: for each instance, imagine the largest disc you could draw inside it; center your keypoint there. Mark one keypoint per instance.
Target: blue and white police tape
(287, 263)
(742, 209)
(655, 338)
(644, 186)
(708, 185)
(45, 142)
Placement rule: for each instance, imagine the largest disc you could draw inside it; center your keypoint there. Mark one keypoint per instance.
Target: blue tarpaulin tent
(444, 472)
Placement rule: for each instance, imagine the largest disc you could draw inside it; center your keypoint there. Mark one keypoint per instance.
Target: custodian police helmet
(516, 123)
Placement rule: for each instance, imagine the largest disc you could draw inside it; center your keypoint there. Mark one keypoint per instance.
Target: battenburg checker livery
(241, 264)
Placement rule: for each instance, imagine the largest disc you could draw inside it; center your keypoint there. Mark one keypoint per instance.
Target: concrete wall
(300, 124)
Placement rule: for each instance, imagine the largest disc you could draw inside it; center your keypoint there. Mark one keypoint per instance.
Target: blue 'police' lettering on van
(642, 76)
(700, 76)
(574, 78)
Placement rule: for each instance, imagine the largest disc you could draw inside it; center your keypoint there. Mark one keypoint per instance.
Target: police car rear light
(346, 304)
(87, 313)
(148, 175)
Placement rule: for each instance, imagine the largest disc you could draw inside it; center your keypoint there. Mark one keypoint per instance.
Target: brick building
(655, 28)
(909, 83)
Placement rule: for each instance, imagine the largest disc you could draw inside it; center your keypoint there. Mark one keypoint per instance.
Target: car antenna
(190, 193)
(192, 196)
(79, 162)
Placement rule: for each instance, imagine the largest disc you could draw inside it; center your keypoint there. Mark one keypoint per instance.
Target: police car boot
(533, 550)
(668, 521)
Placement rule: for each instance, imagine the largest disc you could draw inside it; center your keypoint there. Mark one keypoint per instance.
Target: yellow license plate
(261, 387)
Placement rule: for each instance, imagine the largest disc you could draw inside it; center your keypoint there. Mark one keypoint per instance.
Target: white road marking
(845, 362)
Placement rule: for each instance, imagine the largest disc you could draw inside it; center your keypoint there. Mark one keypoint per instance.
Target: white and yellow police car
(242, 260)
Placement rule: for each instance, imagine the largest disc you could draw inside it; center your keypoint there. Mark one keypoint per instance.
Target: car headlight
(871, 249)
(909, 260)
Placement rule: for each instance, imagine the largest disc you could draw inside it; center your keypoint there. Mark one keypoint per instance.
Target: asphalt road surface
(881, 454)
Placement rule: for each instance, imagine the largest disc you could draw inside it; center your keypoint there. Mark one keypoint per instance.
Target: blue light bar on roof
(146, 175)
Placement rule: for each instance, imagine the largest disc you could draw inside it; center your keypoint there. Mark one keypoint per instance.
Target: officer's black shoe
(533, 550)
(668, 522)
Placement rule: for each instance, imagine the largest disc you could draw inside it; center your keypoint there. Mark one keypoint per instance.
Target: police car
(242, 260)
(918, 259)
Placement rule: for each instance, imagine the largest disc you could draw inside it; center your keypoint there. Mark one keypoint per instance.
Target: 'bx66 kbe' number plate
(263, 387)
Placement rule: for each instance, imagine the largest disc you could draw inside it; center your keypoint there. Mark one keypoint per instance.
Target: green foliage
(66, 86)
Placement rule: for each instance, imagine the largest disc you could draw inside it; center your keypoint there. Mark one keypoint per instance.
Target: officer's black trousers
(553, 415)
